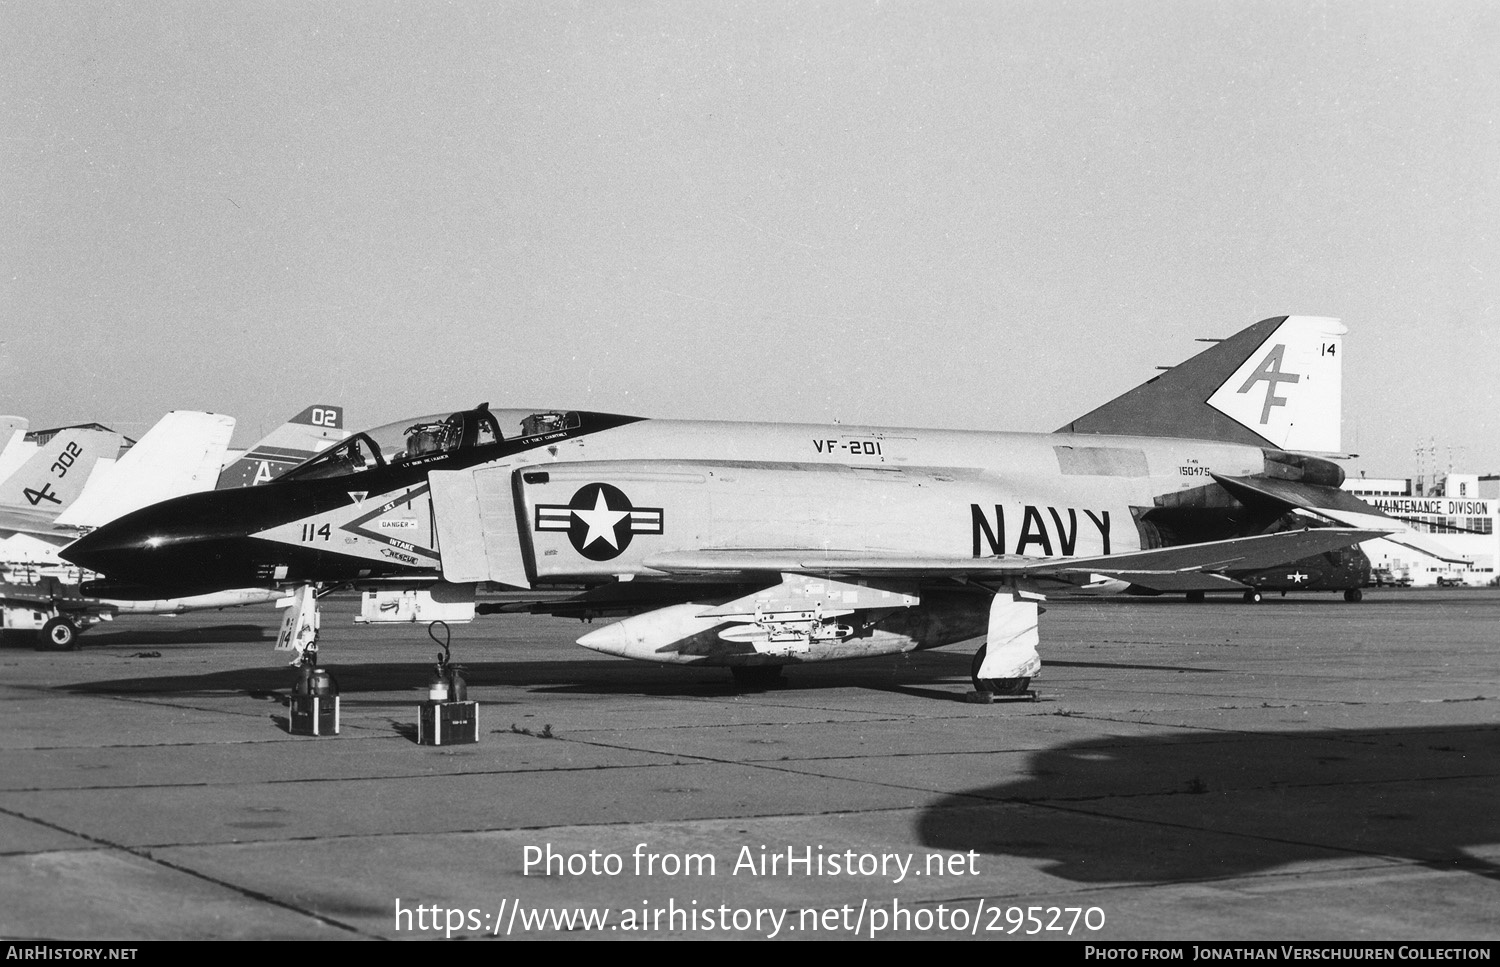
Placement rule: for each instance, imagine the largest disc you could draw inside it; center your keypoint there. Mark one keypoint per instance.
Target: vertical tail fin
(181, 454)
(299, 438)
(53, 478)
(13, 449)
(1278, 383)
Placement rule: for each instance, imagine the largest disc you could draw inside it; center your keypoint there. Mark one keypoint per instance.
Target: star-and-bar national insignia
(600, 521)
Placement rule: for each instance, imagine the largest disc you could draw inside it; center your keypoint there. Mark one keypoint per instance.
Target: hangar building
(1460, 509)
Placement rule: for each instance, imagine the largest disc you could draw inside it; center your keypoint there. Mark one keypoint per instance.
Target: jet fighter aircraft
(754, 546)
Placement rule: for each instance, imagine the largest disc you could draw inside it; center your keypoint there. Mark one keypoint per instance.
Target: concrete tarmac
(1301, 769)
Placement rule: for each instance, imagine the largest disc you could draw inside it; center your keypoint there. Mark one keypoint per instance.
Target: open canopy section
(417, 440)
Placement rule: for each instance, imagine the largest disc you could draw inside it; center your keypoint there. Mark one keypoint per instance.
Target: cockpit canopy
(426, 438)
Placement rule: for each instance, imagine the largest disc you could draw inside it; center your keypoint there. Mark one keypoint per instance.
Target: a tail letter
(303, 436)
(1290, 389)
(1277, 383)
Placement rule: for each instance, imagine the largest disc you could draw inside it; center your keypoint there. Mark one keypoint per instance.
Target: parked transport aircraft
(755, 546)
(1343, 569)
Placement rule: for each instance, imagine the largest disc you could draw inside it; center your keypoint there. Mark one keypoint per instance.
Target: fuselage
(592, 497)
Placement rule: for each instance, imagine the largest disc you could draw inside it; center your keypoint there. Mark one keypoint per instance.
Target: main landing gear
(1005, 664)
(992, 689)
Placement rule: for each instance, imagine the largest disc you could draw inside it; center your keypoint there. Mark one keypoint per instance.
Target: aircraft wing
(1161, 564)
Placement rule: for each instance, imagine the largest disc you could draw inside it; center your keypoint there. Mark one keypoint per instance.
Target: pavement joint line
(209, 744)
(308, 780)
(699, 759)
(144, 853)
(773, 765)
(490, 831)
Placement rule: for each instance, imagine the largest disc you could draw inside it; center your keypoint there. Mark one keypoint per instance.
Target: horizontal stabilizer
(1235, 554)
(1340, 508)
(1279, 382)
(181, 454)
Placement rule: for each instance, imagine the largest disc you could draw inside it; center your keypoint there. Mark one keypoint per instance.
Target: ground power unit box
(315, 703)
(447, 723)
(315, 715)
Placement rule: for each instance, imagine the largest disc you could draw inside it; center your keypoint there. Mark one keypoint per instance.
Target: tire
(994, 686)
(59, 634)
(1252, 596)
(1354, 595)
(1195, 596)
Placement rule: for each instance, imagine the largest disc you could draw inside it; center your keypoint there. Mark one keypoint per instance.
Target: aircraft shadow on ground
(605, 676)
(1184, 807)
(154, 637)
(935, 674)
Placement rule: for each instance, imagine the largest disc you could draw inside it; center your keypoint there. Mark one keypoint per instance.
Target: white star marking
(601, 520)
(1296, 576)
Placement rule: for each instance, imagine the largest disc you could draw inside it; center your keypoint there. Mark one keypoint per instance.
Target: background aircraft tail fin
(303, 436)
(1277, 383)
(181, 454)
(13, 449)
(54, 476)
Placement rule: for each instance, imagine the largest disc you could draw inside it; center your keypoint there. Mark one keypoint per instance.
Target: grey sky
(988, 215)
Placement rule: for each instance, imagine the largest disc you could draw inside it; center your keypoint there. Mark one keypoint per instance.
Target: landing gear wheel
(757, 676)
(59, 634)
(1006, 687)
(1195, 596)
(1354, 595)
(1252, 596)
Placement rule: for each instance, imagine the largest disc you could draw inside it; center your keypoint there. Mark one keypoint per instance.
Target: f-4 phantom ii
(755, 546)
